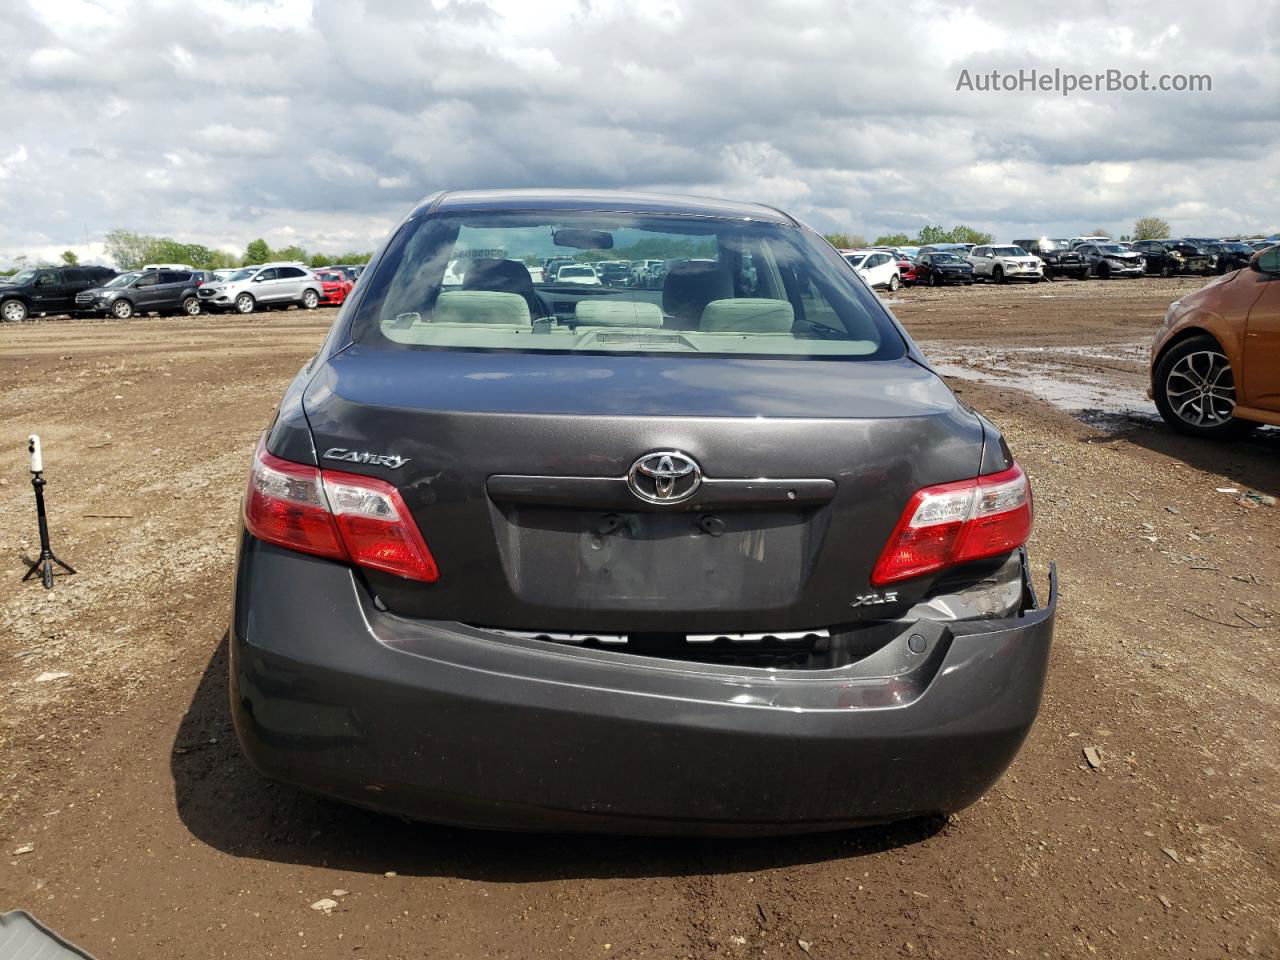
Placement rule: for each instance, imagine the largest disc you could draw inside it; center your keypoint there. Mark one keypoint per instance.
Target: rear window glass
(620, 283)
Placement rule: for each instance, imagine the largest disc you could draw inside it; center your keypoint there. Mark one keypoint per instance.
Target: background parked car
(1215, 369)
(1057, 256)
(1001, 263)
(43, 291)
(1230, 254)
(962, 249)
(1169, 258)
(1107, 260)
(943, 267)
(334, 287)
(877, 267)
(907, 270)
(264, 286)
(581, 274)
(143, 291)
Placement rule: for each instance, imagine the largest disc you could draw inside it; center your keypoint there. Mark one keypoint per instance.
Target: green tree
(354, 258)
(257, 252)
(845, 241)
(291, 252)
(931, 234)
(963, 234)
(1150, 228)
(69, 258)
(892, 240)
(320, 260)
(129, 250)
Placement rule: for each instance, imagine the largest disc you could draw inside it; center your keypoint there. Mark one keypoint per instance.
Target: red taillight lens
(285, 505)
(342, 516)
(376, 526)
(953, 523)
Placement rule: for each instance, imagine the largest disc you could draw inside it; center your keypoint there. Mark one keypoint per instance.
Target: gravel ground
(151, 838)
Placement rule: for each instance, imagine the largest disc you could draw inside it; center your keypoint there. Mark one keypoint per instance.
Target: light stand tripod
(43, 565)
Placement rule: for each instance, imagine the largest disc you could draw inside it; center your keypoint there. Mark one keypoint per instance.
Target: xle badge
(875, 599)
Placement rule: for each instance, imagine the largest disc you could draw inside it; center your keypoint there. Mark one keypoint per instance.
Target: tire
(1166, 270)
(14, 311)
(894, 283)
(191, 306)
(997, 275)
(1194, 390)
(310, 299)
(245, 303)
(122, 309)
(933, 279)
(1104, 272)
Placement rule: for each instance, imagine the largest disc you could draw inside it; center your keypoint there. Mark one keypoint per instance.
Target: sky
(321, 122)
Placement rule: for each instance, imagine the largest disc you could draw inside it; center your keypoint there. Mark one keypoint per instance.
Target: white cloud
(331, 117)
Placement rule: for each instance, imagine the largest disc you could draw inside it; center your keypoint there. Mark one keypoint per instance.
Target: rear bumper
(446, 722)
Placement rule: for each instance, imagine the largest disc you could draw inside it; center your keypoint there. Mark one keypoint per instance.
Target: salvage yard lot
(151, 838)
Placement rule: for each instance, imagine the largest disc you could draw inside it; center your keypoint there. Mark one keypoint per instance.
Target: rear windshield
(673, 284)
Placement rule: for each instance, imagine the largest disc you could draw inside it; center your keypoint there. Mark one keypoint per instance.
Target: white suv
(263, 286)
(1001, 263)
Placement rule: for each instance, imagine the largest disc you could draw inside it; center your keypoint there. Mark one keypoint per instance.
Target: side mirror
(258, 278)
(1266, 261)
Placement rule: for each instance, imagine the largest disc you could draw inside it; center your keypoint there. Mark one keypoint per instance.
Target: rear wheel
(933, 279)
(191, 307)
(13, 311)
(310, 299)
(894, 283)
(245, 303)
(1195, 390)
(122, 309)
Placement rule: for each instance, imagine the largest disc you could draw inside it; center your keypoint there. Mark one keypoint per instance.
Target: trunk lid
(514, 467)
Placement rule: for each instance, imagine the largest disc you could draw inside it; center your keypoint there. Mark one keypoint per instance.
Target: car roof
(615, 201)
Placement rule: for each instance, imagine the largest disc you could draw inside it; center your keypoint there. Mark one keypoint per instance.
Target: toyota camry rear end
(721, 557)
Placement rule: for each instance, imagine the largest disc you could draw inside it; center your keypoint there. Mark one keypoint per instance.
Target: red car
(906, 270)
(334, 287)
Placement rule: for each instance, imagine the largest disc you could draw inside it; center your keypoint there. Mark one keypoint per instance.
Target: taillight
(342, 516)
(953, 523)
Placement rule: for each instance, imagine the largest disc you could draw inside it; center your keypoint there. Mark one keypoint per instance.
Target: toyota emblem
(666, 476)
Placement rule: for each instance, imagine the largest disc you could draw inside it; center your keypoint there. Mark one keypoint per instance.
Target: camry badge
(372, 459)
(665, 476)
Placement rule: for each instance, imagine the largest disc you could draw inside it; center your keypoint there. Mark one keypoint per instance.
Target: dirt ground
(150, 837)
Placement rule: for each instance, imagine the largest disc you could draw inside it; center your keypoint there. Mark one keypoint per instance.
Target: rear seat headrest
(747, 315)
(481, 306)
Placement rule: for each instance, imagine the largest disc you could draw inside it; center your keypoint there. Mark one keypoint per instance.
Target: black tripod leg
(48, 574)
(35, 568)
(65, 566)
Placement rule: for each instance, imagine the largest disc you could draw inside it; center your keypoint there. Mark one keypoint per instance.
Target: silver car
(263, 286)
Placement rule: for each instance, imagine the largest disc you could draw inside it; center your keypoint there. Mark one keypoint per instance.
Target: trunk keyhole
(711, 525)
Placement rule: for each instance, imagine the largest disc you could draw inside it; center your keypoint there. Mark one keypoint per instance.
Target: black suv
(1172, 257)
(1230, 254)
(47, 290)
(1058, 257)
(143, 291)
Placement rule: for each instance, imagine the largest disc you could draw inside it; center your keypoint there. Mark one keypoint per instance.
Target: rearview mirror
(1266, 261)
(583, 239)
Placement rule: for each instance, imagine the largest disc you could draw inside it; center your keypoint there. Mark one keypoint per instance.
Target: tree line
(131, 250)
(1145, 228)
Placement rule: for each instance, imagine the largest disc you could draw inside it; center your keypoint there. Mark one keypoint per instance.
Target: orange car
(1215, 362)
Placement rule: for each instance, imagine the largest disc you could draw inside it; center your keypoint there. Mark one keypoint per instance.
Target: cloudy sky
(322, 121)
